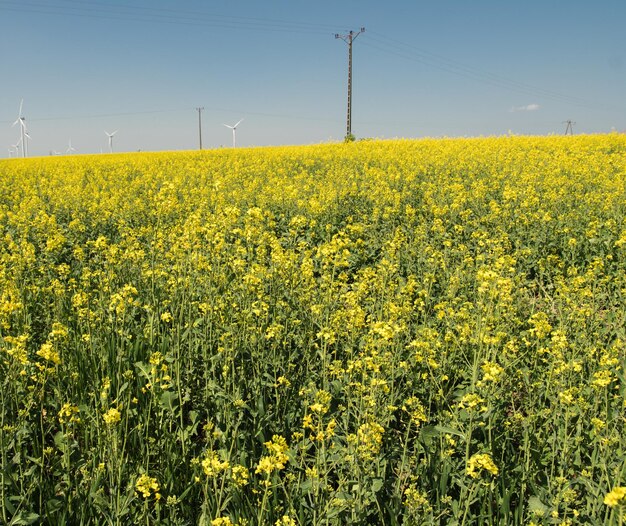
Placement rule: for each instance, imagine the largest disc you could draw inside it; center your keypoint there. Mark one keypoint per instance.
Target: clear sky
(444, 68)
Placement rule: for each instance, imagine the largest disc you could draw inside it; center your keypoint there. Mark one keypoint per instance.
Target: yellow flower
(212, 465)
(616, 497)
(112, 416)
(19, 350)
(49, 354)
(240, 475)
(541, 327)
(322, 402)
(283, 381)
(59, 331)
(602, 379)
(146, 485)
(106, 386)
(368, 440)
(68, 414)
(221, 521)
(317, 408)
(277, 458)
(479, 462)
(415, 499)
(277, 446)
(285, 520)
(307, 422)
(491, 372)
(330, 428)
(415, 409)
(156, 358)
(598, 424)
(470, 401)
(267, 464)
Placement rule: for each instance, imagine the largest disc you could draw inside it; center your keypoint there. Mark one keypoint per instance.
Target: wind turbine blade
(231, 127)
(16, 121)
(240, 121)
(114, 133)
(21, 104)
(26, 134)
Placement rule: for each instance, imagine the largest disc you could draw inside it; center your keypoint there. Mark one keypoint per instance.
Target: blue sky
(446, 68)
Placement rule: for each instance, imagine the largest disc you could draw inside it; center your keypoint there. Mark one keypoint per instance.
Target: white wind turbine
(23, 133)
(110, 136)
(234, 128)
(70, 149)
(16, 147)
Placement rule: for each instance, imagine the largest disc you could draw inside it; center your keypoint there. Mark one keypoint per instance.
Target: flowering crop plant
(404, 332)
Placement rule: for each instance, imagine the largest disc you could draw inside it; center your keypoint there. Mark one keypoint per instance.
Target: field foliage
(386, 332)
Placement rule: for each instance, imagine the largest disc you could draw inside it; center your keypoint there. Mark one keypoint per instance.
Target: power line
(195, 14)
(569, 127)
(455, 64)
(349, 39)
(101, 115)
(178, 110)
(99, 10)
(413, 53)
(106, 12)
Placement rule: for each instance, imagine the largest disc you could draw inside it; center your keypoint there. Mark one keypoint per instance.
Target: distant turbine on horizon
(234, 128)
(16, 147)
(23, 132)
(70, 149)
(110, 136)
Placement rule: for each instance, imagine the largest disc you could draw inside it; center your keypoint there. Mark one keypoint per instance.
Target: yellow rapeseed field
(384, 332)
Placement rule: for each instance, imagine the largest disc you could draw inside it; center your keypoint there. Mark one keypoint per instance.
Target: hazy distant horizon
(450, 69)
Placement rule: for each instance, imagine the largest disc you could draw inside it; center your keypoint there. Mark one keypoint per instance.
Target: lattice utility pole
(349, 38)
(200, 125)
(570, 127)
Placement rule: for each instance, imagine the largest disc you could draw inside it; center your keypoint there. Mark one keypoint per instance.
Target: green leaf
(449, 431)
(53, 505)
(431, 431)
(169, 400)
(306, 485)
(9, 506)
(144, 369)
(536, 506)
(60, 440)
(25, 517)
(377, 485)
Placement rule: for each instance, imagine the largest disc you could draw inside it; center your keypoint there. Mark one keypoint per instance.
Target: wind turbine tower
(110, 136)
(234, 128)
(23, 133)
(16, 147)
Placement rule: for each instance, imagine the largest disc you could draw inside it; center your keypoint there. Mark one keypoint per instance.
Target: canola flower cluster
(381, 332)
